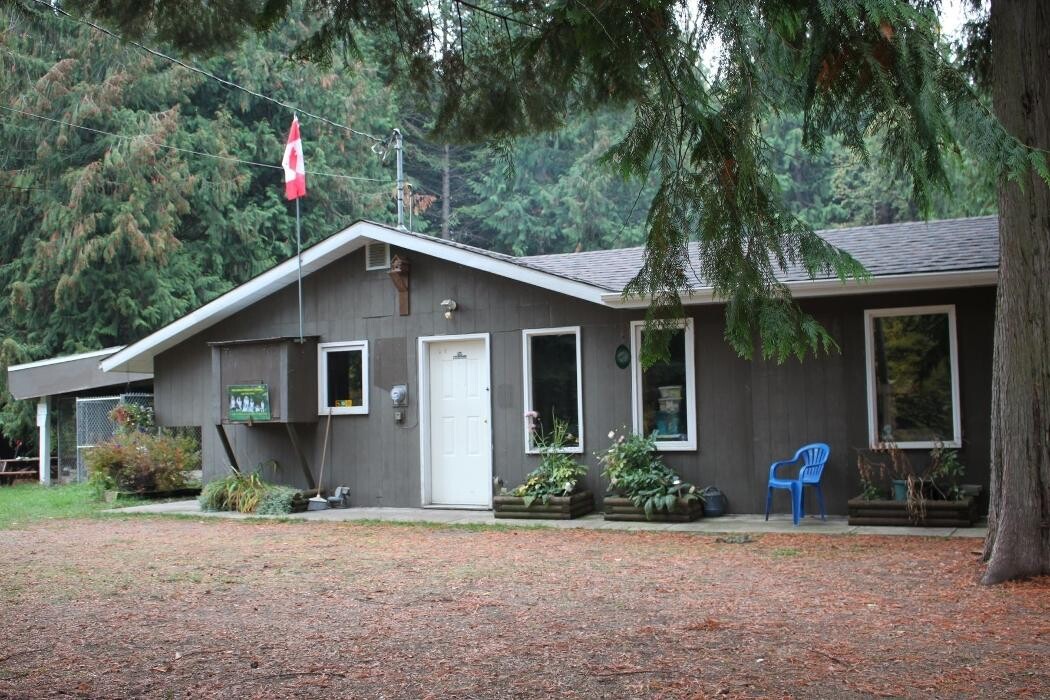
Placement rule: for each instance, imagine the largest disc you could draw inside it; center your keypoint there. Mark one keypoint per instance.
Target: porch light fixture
(449, 305)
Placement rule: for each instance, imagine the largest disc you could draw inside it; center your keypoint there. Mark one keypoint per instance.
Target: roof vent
(377, 256)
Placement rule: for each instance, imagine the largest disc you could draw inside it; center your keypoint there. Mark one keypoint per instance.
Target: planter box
(113, 496)
(938, 513)
(558, 508)
(616, 508)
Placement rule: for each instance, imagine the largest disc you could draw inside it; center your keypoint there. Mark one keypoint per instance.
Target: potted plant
(642, 487)
(932, 497)
(555, 488)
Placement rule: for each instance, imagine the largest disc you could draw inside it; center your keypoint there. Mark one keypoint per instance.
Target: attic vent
(377, 256)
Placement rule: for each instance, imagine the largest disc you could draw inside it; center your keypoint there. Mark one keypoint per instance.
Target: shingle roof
(918, 247)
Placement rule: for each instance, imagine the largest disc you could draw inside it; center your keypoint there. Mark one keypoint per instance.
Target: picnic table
(21, 468)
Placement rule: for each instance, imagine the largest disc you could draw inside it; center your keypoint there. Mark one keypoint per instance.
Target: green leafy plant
(278, 500)
(142, 462)
(635, 471)
(237, 491)
(559, 473)
(946, 471)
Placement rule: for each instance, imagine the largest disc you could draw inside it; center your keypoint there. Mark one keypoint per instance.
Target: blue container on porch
(900, 490)
(714, 502)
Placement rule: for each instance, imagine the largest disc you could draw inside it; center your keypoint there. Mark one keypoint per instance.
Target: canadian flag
(294, 168)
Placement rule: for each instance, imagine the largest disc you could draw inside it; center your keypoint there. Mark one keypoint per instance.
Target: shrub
(278, 500)
(635, 471)
(559, 473)
(142, 462)
(237, 492)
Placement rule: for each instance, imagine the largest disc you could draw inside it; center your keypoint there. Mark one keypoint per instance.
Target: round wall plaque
(623, 357)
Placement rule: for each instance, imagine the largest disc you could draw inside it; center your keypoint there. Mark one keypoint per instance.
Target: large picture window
(553, 385)
(665, 394)
(342, 377)
(913, 377)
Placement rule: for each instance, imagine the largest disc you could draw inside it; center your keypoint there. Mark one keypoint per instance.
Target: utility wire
(187, 150)
(228, 83)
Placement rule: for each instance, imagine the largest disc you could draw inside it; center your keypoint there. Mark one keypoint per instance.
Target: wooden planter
(617, 508)
(938, 513)
(558, 508)
(112, 496)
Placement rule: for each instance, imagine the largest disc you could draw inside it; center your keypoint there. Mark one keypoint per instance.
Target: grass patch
(786, 552)
(23, 504)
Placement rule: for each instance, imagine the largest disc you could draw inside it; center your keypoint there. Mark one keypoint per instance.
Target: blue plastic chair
(813, 458)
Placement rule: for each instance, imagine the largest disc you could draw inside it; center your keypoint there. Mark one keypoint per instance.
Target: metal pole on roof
(398, 147)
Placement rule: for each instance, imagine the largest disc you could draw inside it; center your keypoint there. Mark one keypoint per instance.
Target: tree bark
(1018, 543)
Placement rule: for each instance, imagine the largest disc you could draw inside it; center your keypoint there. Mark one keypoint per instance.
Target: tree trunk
(1018, 541)
(445, 193)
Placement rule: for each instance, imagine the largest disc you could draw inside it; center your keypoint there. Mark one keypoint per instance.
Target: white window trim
(323, 409)
(690, 387)
(526, 361)
(869, 354)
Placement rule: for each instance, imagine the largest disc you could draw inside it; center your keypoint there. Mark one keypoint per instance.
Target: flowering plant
(131, 417)
(635, 471)
(559, 474)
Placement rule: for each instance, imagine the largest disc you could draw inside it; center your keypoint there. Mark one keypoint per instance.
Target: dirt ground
(115, 608)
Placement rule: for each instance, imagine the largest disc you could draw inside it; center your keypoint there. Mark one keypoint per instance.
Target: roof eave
(138, 357)
(834, 287)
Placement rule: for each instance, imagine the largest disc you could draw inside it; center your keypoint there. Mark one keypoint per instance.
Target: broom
(319, 502)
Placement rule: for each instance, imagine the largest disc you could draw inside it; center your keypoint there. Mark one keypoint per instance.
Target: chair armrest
(773, 467)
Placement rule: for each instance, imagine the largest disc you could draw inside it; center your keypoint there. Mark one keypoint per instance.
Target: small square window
(343, 378)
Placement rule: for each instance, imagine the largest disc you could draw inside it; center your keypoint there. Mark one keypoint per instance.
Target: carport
(70, 379)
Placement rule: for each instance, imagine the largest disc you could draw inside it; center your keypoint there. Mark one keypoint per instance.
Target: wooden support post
(399, 274)
(43, 422)
(294, 437)
(221, 430)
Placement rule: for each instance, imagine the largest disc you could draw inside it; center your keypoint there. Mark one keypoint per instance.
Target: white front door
(460, 429)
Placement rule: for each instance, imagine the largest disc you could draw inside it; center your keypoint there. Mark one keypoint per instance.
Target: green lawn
(25, 503)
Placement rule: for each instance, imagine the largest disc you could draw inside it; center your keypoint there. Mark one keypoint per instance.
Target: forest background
(107, 235)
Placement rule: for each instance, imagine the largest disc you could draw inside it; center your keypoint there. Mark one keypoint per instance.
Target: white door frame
(424, 405)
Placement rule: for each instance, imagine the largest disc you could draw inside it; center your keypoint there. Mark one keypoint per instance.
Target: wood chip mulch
(118, 608)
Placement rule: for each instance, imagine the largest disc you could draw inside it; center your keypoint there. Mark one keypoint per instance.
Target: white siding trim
(869, 355)
(690, 387)
(323, 409)
(526, 367)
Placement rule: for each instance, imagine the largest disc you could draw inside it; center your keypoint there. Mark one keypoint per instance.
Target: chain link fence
(94, 426)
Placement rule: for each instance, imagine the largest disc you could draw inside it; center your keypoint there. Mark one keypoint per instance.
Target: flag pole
(299, 256)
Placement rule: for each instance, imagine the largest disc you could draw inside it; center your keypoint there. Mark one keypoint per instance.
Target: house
(420, 357)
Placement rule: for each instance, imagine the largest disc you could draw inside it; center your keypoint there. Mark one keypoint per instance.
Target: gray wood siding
(748, 413)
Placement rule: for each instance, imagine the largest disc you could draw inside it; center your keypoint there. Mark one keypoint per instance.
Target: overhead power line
(204, 154)
(227, 83)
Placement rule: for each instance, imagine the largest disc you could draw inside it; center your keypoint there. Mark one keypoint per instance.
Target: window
(665, 394)
(553, 385)
(913, 377)
(342, 378)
